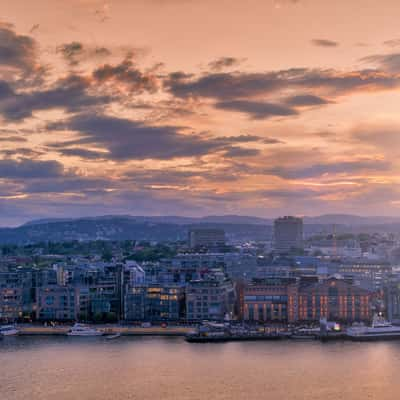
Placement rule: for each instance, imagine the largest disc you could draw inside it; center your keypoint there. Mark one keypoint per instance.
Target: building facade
(154, 303)
(288, 234)
(206, 237)
(212, 298)
(283, 300)
(56, 303)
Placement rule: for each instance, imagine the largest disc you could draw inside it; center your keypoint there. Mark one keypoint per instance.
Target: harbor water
(149, 368)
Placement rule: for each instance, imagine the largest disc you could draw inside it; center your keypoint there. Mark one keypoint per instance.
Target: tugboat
(380, 330)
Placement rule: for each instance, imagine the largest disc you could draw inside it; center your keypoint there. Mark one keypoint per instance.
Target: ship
(379, 330)
(216, 333)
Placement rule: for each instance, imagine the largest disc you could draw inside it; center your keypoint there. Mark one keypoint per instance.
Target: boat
(113, 336)
(228, 335)
(84, 330)
(380, 330)
(305, 334)
(8, 330)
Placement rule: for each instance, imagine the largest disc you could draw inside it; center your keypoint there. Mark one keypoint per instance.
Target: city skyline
(171, 107)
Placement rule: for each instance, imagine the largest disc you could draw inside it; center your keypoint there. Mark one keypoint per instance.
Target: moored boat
(8, 330)
(84, 330)
(305, 334)
(380, 330)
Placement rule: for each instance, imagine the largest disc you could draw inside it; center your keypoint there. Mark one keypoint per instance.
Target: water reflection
(169, 368)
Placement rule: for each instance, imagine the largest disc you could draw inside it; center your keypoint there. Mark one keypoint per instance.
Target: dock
(109, 330)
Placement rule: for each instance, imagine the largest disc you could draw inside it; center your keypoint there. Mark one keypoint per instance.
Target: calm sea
(171, 369)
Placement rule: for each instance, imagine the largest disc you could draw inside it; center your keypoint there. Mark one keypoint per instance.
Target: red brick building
(287, 300)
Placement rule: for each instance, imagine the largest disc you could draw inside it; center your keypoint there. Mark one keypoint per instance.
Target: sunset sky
(189, 107)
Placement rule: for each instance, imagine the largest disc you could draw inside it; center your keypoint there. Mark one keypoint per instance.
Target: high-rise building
(206, 237)
(288, 234)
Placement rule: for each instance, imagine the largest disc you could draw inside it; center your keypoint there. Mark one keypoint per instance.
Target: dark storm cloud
(240, 139)
(224, 62)
(24, 152)
(5, 90)
(27, 169)
(127, 139)
(174, 176)
(13, 138)
(305, 100)
(67, 184)
(16, 51)
(392, 42)
(270, 140)
(388, 62)
(71, 51)
(75, 52)
(70, 94)
(232, 86)
(241, 152)
(127, 74)
(324, 43)
(316, 170)
(256, 109)
(381, 136)
(222, 85)
(82, 153)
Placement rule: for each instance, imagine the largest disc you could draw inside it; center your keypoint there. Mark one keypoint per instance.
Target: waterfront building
(288, 234)
(11, 303)
(211, 298)
(333, 299)
(265, 300)
(305, 299)
(17, 293)
(56, 303)
(391, 297)
(154, 303)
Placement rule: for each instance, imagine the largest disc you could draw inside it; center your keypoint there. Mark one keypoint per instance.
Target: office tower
(288, 234)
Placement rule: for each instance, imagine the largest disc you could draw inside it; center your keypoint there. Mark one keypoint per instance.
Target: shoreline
(108, 330)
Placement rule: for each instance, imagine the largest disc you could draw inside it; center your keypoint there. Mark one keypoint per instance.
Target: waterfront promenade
(36, 330)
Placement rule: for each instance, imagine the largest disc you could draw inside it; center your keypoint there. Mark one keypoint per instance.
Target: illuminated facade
(154, 303)
(333, 299)
(282, 300)
(265, 300)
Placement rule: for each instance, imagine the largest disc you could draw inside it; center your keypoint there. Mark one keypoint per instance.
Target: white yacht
(84, 330)
(380, 330)
(8, 330)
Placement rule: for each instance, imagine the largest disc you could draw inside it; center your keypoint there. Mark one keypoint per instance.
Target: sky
(193, 108)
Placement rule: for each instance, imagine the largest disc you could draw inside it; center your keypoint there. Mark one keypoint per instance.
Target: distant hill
(126, 227)
(171, 228)
(223, 219)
